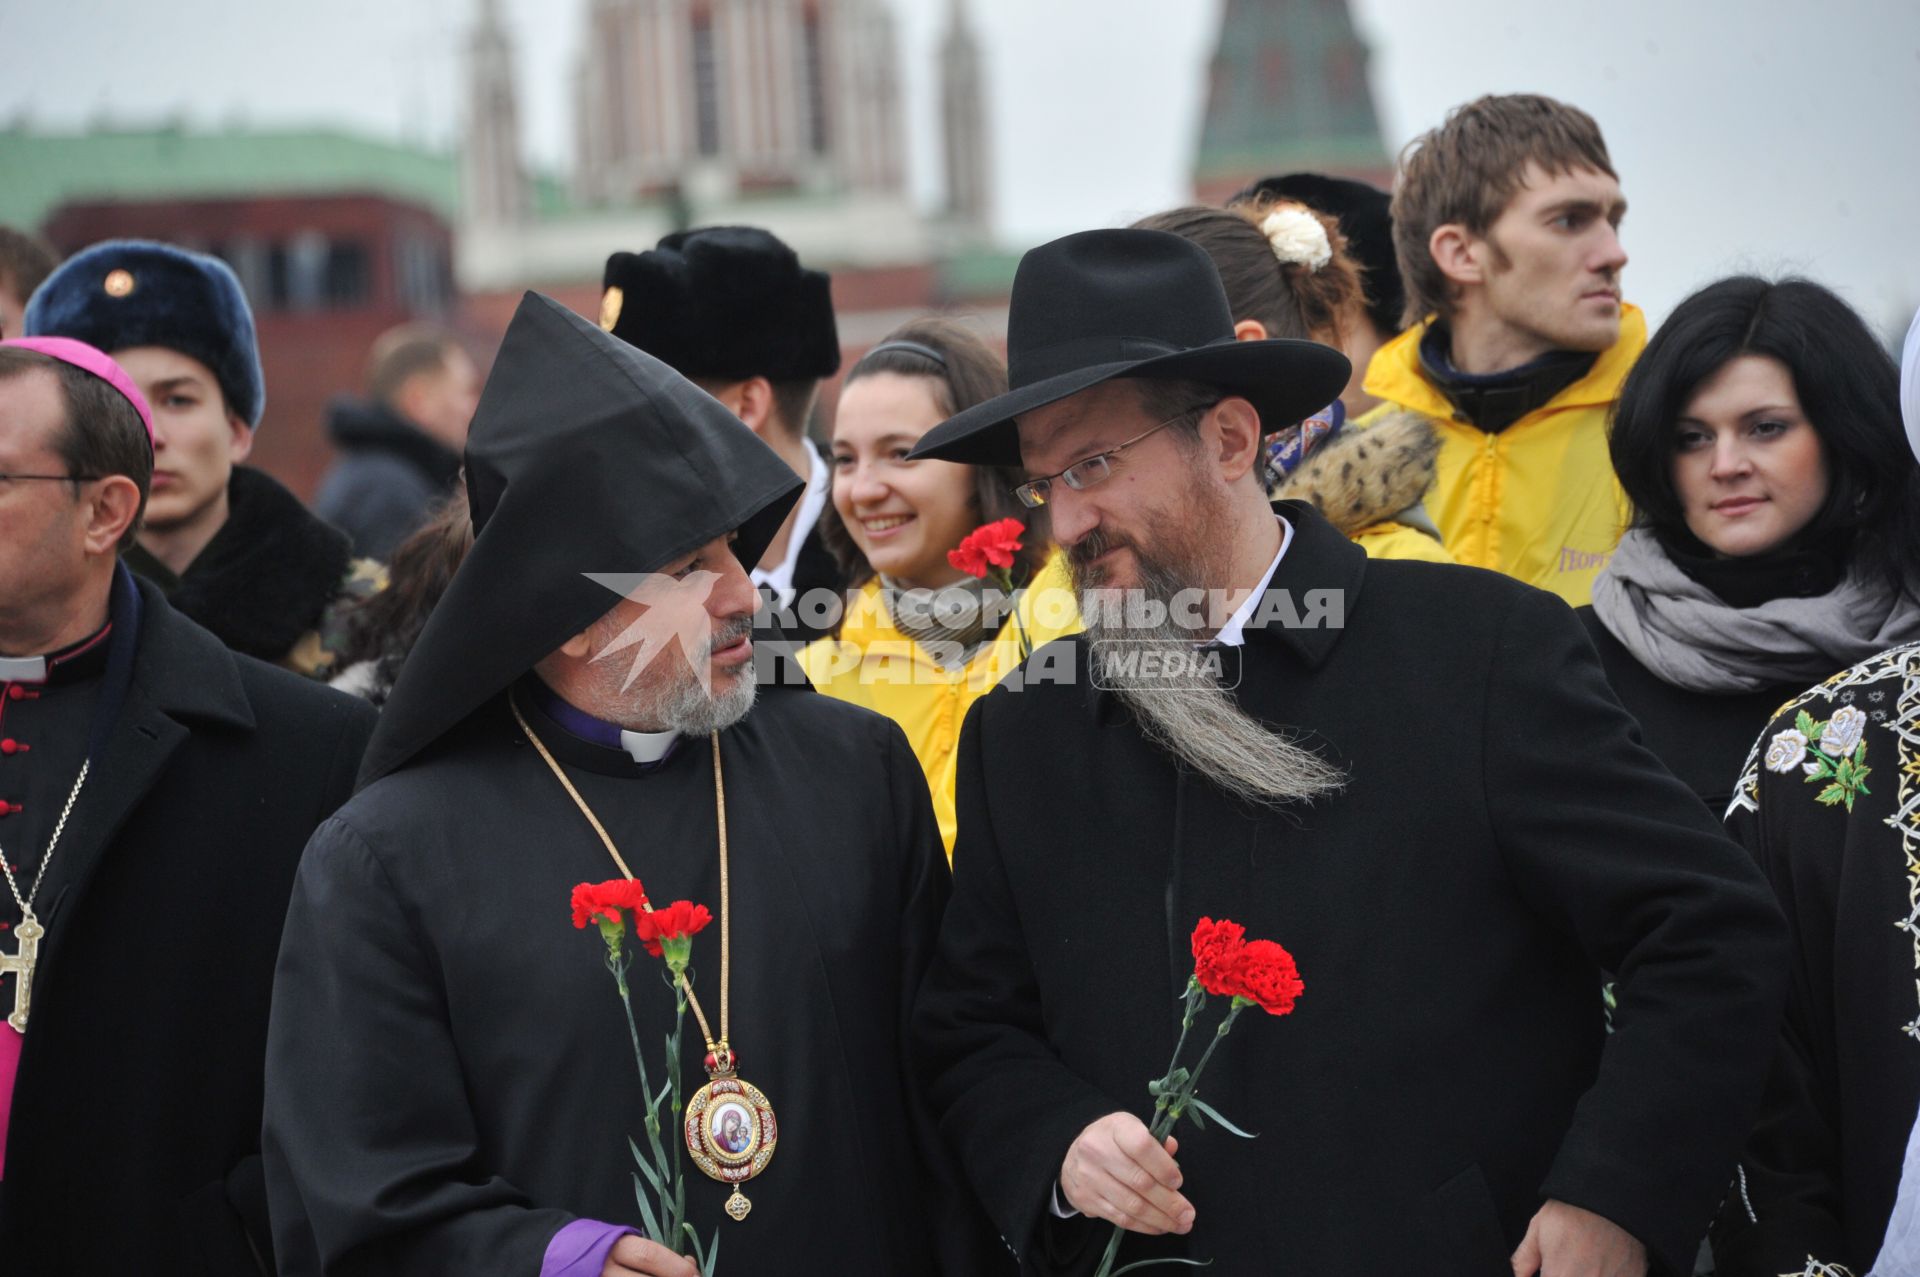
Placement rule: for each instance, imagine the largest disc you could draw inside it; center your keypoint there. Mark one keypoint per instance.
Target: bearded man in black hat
(1412, 776)
(732, 309)
(451, 1086)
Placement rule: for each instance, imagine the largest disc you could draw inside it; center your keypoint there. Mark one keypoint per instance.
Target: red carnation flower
(668, 933)
(601, 902)
(991, 545)
(1266, 975)
(1216, 954)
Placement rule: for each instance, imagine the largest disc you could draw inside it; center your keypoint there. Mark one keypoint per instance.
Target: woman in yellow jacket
(1287, 273)
(922, 640)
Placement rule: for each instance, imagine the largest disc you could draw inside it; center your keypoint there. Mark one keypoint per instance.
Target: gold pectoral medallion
(730, 1129)
(731, 1133)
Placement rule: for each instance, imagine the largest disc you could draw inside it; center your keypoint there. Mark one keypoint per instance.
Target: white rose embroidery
(1785, 751)
(1842, 732)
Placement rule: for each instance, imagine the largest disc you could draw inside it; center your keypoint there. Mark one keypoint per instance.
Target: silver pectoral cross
(21, 965)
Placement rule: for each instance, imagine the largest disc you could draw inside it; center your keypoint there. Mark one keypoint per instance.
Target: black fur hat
(130, 292)
(1365, 217)
(723, 303)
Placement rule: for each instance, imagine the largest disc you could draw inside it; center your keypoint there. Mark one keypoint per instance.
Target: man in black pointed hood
(451, 1086)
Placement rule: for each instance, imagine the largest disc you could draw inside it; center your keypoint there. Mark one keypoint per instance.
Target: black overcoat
(135, 1136)
(1702, 737)
(1503, 839)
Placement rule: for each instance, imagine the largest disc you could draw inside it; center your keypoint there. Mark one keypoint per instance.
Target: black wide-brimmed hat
(585, 456)
(1101, 305)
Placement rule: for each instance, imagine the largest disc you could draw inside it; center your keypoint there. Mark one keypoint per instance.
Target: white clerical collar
(779, 578)
(1233, 633)
(23, 669)
(648, 747)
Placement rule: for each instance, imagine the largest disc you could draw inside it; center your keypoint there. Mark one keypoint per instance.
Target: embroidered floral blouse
(1829, 804)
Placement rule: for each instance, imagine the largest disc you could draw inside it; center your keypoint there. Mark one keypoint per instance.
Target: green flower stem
(1179, 1107)
(1113, 1249)
(1004, 578)
(1186, 1026)
(673, 1074)
(619, 970)
(1168, 1111)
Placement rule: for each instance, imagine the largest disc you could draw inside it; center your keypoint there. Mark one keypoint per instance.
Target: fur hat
(128, 292)
(1364, 214)
(723, 303)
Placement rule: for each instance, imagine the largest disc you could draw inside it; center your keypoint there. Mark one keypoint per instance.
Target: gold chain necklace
(729, 1127)
(30, 931)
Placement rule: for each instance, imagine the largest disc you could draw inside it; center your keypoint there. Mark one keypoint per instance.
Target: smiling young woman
(920, 640)
(1776, 531)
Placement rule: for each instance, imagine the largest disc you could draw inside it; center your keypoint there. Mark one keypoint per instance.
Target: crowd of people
(1354, 566)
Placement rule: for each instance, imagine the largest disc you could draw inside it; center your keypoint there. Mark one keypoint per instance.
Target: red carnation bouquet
(989, 550)
(1249, 973)
(666, 933)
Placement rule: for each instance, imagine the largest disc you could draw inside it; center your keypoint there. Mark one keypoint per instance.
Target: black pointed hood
(586, 455)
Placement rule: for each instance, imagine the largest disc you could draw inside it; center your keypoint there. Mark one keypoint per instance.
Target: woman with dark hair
(1776, 528)
(921, 640)
(1286, 273)
(381, 629)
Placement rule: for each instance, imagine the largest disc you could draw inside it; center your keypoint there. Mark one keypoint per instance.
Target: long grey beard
(1183, 710)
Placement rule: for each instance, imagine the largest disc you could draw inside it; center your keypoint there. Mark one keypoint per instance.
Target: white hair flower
(1297, 236)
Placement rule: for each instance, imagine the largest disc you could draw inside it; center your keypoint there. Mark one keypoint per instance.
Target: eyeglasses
(1084, 474)
(48, 478)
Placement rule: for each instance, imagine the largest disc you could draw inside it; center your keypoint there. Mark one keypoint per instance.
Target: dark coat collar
(1318, 558)
(182, 679)
(373, 427)
(267, 576)
(183, 671)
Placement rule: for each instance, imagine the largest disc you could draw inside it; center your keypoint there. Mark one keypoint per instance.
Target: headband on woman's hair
(911, 347)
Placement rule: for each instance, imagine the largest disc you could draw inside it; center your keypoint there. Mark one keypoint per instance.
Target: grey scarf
(1687, 636)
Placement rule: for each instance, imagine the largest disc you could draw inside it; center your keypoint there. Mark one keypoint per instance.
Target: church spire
(963, 124)
(1287, 90)
(493, 180)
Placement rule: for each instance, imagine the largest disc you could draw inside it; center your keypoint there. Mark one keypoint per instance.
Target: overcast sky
(1749, 134)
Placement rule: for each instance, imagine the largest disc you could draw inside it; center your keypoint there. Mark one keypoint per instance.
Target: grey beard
(1185, 712)
(696, 711)
(685, 705)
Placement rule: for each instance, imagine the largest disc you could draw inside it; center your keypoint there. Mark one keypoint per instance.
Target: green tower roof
(1288, 89)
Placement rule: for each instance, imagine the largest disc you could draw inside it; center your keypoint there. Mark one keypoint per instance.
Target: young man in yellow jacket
(1506, 224)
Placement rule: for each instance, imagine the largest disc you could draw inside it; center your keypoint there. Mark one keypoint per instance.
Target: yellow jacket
(1538, 500)
(875, 665)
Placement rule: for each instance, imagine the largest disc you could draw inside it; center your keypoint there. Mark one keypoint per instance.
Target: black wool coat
(1502, 840)
(135, 1137)
(1703, 738)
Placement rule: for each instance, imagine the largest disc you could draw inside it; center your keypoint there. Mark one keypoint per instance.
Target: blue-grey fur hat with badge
(130, 292)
